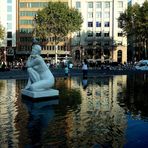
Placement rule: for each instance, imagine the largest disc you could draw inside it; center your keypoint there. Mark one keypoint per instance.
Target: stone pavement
(22, 74)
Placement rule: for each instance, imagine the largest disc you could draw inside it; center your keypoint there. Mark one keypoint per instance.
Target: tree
(134, 22)
(2, 32)
(57, 19)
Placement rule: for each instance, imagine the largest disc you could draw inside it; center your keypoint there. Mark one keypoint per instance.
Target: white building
(100, 36)
(8, 21)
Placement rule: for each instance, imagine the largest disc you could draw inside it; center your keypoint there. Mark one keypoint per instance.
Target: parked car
(142, 65)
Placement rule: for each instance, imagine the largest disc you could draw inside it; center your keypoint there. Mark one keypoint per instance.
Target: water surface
(107, 111)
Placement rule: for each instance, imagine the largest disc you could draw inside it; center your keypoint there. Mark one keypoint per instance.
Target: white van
(142, 65)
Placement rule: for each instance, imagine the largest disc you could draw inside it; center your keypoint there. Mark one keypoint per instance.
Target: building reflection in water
(8, 113)
(100, 118)
(94, 116)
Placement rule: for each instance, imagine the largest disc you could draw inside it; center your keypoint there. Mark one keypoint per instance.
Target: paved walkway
(22, 74)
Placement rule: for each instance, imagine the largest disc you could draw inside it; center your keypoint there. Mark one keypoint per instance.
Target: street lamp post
(5, 55)
(56, 54)
(133, 36)
(34, 33)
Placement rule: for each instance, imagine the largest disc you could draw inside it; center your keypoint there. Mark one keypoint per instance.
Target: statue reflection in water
(41, 113)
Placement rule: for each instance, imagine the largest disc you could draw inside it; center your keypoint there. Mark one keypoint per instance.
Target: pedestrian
(48, 64)
(70, 67)
(85, 68)
(66, 71)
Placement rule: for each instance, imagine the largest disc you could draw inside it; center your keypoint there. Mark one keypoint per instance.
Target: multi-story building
(100, 37)
(26, 12)
(8, 21)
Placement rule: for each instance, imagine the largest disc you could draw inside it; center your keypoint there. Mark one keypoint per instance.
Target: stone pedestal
(40, 94)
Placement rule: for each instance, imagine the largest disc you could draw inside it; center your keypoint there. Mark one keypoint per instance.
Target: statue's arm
(32, 61)
(28, 61)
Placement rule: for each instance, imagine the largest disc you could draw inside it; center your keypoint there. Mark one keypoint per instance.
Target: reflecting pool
(97, 112)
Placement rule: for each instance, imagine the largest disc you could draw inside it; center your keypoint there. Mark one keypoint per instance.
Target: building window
(90, 34)
(120, 4)
(119, 56)
(98, 34)
(98, 43)
(9, 17)
(90, 14)
(9, 1)
(120, 34)
(26, 30)
(9, 43)
(90, 24)
(106, 24)
(23, 5)
(119, 43)
(9, 26)
(98, 4)
(78, 5)
(78, 34)
(90, 4)
(98, 24)
(27, 13)
(106, 34)
(27, 22)
(106, 15)
(9, 34)
(98, 14)
(9, 8)
(107, 5)
(25, 39)
(90, 43)
(106, 43)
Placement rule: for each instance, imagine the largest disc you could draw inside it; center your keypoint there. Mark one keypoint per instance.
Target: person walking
(66, 70)
(85, 68)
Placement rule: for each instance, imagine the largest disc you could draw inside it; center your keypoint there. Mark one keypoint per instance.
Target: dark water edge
(106, 111)
(22, 74)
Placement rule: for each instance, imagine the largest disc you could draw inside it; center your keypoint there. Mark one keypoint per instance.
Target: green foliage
(2, 32)
(134, 22)
(129, 20)
(57, 20)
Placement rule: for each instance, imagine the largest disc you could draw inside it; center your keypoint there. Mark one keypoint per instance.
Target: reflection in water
(101, 115)
(8, 113)
(136, 95)
(40, 114)
(99, 119)
(84, 83)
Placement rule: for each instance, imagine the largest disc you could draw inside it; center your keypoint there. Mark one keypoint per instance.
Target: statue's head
(36, 49)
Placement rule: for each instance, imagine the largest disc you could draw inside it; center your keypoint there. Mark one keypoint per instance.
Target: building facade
(100, 37)
(26, 12)
(8, 21)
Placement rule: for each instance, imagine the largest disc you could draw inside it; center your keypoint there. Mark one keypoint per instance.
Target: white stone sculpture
(40, 77)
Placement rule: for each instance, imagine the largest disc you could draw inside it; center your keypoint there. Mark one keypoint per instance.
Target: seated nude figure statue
(40, 77)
